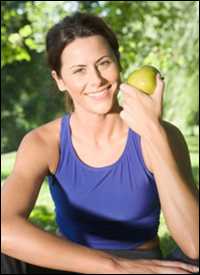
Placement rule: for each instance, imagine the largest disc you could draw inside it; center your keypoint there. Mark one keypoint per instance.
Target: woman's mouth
(103, 94)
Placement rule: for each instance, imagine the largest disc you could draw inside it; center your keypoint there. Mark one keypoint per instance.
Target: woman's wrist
(106, 264)
(154, 132)
(124, 266)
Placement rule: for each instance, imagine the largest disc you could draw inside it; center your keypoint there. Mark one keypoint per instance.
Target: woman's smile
(101, 94)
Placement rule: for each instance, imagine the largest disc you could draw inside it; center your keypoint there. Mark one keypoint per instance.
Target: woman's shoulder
(49, 130)
(174, 134)
(45, 139)
(170, 127)
(46, 133)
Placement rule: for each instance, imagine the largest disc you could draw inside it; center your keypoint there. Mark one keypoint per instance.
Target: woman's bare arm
(25, 241)
(22, 240)
(170, 163)
(179, 201)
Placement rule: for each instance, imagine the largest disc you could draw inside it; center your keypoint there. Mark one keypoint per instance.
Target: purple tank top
(111, 207)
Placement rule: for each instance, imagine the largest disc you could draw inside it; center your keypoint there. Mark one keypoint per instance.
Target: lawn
(43, 212)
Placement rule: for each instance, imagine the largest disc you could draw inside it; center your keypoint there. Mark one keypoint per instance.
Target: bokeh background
(162, 33)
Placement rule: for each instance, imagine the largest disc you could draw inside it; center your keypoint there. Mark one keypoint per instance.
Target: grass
(43, 212)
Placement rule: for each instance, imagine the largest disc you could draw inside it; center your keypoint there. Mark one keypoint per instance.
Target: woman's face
(90, 74)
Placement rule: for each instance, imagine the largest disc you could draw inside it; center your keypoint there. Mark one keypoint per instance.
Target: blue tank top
(110, 207)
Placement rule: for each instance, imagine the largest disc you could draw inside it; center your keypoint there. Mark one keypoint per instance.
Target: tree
(161, 33)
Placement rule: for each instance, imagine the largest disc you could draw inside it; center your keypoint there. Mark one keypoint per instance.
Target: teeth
(98, 94)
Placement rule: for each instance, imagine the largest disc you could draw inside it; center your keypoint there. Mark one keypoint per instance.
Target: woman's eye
(79, 71)
(106, 62)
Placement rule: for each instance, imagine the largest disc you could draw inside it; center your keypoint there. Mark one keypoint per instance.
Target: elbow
(190, 243)
(3, 238)
(7, 237)
(11, 230)
(192, 250)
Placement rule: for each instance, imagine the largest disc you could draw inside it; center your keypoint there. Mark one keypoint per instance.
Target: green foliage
(43, 218)
(28, 100)
(161, 33)
(12, 18)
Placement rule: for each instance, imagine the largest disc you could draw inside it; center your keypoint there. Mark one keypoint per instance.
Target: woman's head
(83, 39)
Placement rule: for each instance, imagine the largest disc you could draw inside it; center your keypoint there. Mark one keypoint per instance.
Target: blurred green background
(162, 33)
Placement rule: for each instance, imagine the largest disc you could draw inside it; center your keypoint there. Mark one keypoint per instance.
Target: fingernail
(161, 77)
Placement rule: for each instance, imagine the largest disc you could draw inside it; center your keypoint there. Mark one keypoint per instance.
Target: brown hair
(70, 28)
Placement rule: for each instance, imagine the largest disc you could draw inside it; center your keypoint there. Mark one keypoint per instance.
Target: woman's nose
(96, 78)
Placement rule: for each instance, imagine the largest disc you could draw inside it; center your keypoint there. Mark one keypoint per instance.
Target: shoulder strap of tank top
(63, 141)
(136, 138)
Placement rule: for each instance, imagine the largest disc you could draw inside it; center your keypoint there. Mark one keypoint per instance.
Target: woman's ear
(59, 81)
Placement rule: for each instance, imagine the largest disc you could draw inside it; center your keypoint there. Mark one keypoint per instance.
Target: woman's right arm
(27, 242)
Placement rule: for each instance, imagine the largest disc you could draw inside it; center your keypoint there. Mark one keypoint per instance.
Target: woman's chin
(107, 108)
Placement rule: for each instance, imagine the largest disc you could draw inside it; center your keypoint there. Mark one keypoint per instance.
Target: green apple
(144, 79)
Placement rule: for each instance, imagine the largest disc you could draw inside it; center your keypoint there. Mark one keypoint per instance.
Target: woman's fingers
(143, 266)
(168, 270)
(129, 90)
(159, 90)
(177, 264)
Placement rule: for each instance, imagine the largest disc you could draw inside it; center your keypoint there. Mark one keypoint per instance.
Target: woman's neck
(97, 128)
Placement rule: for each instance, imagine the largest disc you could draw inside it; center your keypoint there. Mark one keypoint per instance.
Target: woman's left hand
(142, 112)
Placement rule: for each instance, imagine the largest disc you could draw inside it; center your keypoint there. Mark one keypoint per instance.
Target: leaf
(25, 31)
(15, 39)
(30, 43)
(23, 55)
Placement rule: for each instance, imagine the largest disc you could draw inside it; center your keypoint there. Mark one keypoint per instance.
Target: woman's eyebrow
(82, 65)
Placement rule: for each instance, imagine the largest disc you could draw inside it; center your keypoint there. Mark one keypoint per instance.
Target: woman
(110, 170)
